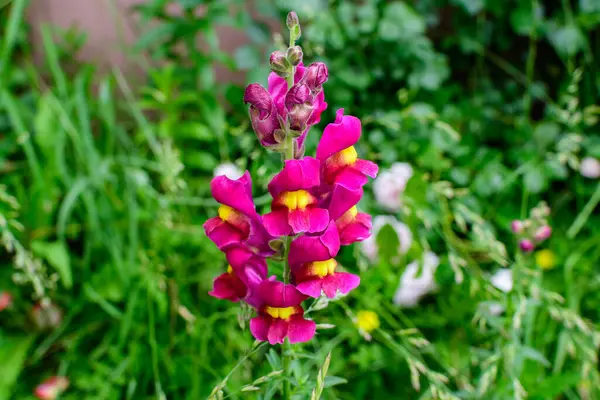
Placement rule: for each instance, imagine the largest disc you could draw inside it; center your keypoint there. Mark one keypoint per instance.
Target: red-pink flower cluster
(313, 209)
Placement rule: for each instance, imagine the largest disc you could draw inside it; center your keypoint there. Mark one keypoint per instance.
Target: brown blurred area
(111, 28)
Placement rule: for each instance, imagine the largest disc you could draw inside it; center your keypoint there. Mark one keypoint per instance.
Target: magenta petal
(337, 136)
(236, 194)
(300, 174)
(352, 178)
(259, 238)
(311, 288)
(369, 168)
(228, 287)
(307, 248)
(301, 330)
(342, 281)
(222, 233)
(342, 199)
(278, 331)
(259, 327)
(299, 220)
(276, 223)
(318, 220)
(238, 255)
(356, 231)
(278, 294)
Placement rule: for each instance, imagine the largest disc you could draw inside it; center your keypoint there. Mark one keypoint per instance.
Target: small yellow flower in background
(366, 320)
(545, 259)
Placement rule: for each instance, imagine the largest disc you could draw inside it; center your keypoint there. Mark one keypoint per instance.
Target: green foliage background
(104, 189)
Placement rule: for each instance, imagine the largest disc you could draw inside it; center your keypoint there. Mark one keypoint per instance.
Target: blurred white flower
(503, 280)
(590, 167)
(230, 170)
(412, 287)
(369, 246)
(493, 308)
(390, 184)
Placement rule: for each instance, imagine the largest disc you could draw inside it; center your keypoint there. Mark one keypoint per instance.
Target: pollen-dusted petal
(294, 200)
(301, 330)
(303, 174)
(337, 136)
(322, 268)
(259, 327)
(276, 223)
(280, 312)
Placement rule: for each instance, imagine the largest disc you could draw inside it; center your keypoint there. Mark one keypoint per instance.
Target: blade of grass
(10, 35)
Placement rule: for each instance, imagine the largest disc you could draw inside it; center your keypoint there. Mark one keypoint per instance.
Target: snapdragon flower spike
(238, 221)
(338, 156)
(280, 314)
(263, 114)
(314, 267)
(244, 273)
(352, 225)
(294, 208)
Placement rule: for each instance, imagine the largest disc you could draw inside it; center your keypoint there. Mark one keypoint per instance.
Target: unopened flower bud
(315, 76)
(526, 245)
(294, 55)
(517, 226)
(46, 317)
(280, 64)
(542, 233)
(298, 102)
(293, 24)
(263, 114)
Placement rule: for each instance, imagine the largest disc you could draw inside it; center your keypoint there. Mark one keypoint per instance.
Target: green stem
(286, 348)
(584, 214)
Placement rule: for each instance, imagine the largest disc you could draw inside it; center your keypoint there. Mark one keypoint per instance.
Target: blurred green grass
(105, 188)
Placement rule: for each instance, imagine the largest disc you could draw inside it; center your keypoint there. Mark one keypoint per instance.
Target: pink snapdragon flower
(6, 300)
(313, 208)
(280, 315)
(340, 162)
(295, 206)
(242, 277)
(313, 265)
(237, 220)
(51, 388)
(353, 226)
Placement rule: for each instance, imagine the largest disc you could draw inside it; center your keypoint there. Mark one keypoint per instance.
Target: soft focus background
(115, 115)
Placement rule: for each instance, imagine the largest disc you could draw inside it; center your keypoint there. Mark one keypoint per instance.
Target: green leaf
(387, 242)
(334, 380)
(567, 40)
(535, 179)
(553, 386)
(546, 133)
(400, 22)
(57, 255)
(13, 351)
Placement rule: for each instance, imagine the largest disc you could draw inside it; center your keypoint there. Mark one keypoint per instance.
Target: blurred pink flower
(51, 387)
